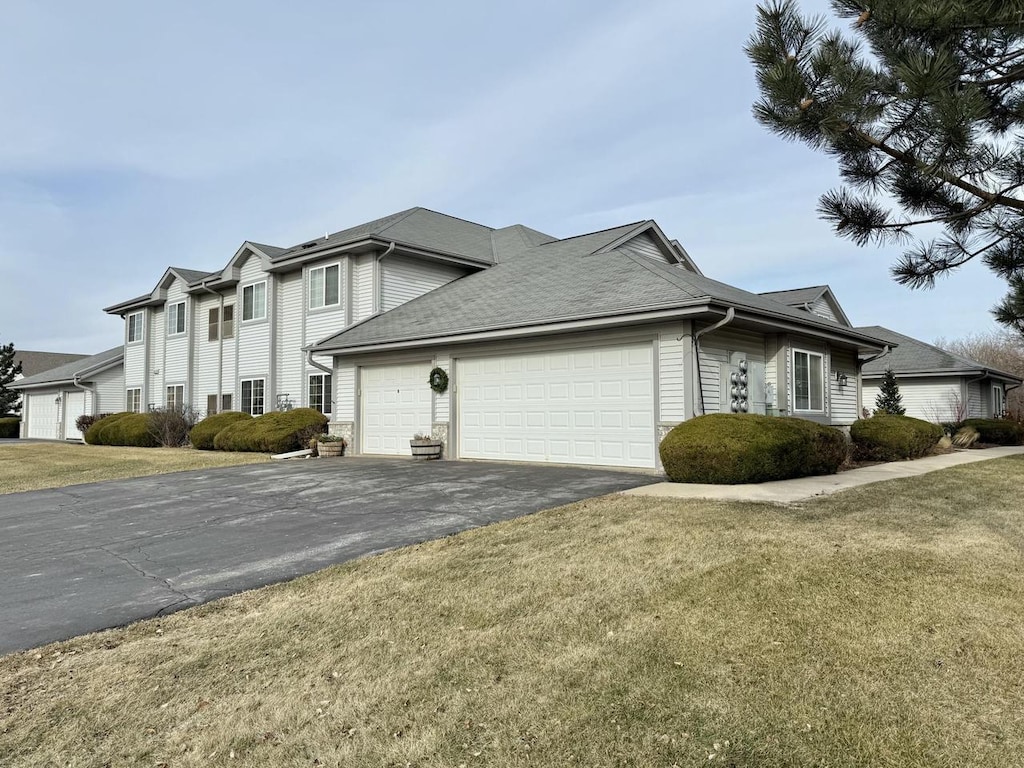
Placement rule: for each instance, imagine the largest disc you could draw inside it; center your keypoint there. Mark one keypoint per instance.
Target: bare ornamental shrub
(86, 420)
(171, 426)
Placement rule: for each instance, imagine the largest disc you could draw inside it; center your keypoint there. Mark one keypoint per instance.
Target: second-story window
(254, 301)
(134, 327)
(176, 318)
(222, 328)
(324, 286)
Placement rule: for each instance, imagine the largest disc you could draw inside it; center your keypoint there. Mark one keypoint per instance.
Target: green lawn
(34, 466)
(883, 626)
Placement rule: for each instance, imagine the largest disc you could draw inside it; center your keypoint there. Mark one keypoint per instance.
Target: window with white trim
(133, 400)
(998, 401)
(221, 328)
(254, 301)
(252, 396)
(320, 392)
(134, 327)
(324, 286)
(176, 318)
(175, 396)
(808, 381)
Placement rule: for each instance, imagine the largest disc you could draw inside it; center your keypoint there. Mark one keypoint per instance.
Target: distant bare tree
(1000, 349)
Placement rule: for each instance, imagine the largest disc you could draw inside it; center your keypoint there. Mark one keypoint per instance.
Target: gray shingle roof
(913, 356)
(68, 371)
(558, 281)
(191, 275)
(417, 227)
(797, 296)
(37, 362)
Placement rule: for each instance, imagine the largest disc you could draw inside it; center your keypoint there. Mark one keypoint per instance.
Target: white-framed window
(222, 328)
(133, 399)
(808, 381)
(320, 390)
(998, 401)
(134, 327)
(176, 318)
(175, 396)
(254, 301)
(252, 396)
(324, 286)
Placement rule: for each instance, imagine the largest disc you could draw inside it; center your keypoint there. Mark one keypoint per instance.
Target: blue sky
(137, 136)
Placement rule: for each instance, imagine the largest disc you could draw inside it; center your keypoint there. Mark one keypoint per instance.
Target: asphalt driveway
(89, 557)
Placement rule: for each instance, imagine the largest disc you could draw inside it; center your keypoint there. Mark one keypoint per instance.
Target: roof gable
(649, 241)
(816, 299)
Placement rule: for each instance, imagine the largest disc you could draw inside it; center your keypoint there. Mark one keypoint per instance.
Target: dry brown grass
(34, 466)
(883, 626)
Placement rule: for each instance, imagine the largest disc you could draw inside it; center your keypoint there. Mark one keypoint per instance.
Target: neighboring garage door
(397, 404)
(583, 406)
(74, 406)
(42, 416)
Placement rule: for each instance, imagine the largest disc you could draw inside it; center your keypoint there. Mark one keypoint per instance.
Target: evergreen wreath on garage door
(439, 380)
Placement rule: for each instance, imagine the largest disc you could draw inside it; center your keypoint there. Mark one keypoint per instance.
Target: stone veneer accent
(664, 429)
(439, 431)
(345, 429)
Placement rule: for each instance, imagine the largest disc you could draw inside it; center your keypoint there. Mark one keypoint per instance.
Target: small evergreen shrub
(275, 432)
(203, 433)
(86, 420)
(888, 437)
(10, 427)
(728, 448)
(129, 429)
(998, 431)
(889, 400)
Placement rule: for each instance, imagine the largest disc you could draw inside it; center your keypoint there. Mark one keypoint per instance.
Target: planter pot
(330, 449)
(426, 449)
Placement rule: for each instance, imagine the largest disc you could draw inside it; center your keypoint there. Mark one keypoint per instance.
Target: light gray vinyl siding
(403, 279)
(976, 408)
(822, 308)
(931, 399)
(135, 356)
(289, 301)
(363, 301)
(254, 337)
(772, 351)
(709, 398)
(153, 389)
(845, 408)
(175, 364)
(109, 391)
(671, 375)
(645, 245)
(442, 401)
(344, 392)
(206, 359)
(727, 347)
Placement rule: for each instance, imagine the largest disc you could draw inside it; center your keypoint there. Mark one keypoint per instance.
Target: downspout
(84, 388)
(729, 315)
(220, 344)
(328, 371)
(378, 278)
(860, 378)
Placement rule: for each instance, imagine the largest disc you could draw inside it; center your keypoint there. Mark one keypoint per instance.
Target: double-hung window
(175, 397)
(176, 318)
(808, 381)
(252, 396)
(254, 301)
(998, 401)
(133, 400)
(320, 392)
(134, 327)
(324, 286)
(222, 327)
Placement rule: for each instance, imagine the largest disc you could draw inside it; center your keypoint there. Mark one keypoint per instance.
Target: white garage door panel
(74, 406)
(42, 417)
(397, 402)
(575, 407)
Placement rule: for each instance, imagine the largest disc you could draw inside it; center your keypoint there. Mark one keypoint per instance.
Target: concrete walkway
(786, 491)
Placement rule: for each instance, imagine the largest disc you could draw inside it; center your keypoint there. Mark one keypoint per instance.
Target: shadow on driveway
(89, 557)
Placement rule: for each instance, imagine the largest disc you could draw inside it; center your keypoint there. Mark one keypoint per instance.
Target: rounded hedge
(729, 448)
(203, 433)
(998, 431)
(10, 426)
(275, 432)
(886, 437)
(126, 428)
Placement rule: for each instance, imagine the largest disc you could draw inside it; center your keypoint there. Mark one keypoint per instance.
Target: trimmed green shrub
(275, 432)
(126, 428)
(887, 437)
(203, 433)
(729, 448)
(10, 427)
(998, 431)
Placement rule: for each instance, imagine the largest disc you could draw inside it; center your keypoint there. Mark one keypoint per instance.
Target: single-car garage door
(42, 416)
(397, 404)
(74, 406)
(582, 406)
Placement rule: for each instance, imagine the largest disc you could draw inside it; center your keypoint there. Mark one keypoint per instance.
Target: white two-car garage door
(582, 406)
(397, 404)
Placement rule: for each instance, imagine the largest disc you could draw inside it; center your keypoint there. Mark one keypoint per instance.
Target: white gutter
(315, 364)
(883, 353)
